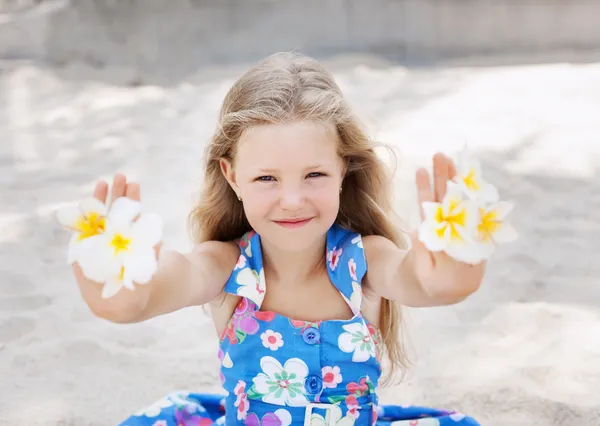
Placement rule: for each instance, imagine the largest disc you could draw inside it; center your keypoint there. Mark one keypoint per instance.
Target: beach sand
(524, 350)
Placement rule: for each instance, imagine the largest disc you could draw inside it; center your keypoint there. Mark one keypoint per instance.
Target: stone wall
(177, 36)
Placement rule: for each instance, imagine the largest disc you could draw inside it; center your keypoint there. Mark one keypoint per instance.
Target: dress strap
(346, 264)
(346, 267)
(248, 277)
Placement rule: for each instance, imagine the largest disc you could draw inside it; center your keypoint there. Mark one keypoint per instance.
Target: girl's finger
(119, 186)
(424, 192)
(133, 191)
(101, 191)
(440, 173)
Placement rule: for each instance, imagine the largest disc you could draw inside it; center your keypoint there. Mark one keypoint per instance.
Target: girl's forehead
(291, 142)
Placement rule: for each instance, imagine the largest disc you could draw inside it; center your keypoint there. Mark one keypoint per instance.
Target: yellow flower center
(452, 220)
(120, 243)
(89, 226)
(470, 181)
(488, 225)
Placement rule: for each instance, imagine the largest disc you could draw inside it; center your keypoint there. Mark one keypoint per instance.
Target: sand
(524, 350)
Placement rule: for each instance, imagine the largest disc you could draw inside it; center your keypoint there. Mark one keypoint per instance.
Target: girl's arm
(181, 280)
(418, 277)
(392, 273)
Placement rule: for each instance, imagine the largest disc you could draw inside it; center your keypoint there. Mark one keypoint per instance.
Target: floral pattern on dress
(272, 340)
(334, 416)
(252, 284)
(331, 377)
(357, 340)
(281, 384)
(241, 401)
(280, 417)
(334, 257)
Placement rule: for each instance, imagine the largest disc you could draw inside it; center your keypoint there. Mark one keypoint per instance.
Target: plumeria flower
(470, 179)
(124, 252)
(493, 229)
(85, 220)
(450, 225)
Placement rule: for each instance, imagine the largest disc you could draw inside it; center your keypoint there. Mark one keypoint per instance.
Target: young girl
(299, 260)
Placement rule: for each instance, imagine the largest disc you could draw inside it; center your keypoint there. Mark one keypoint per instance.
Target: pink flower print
(241, 401)
(334, 257)
(331, 377)
(352, 405)
(374, 417)
(160, 423)
(352, 268)
(241, 262)
(271, 340)
(267, 316)
(358, 389)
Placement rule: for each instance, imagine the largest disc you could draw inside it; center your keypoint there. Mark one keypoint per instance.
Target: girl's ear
(229, 173)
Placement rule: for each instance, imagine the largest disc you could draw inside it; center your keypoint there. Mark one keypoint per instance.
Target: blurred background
(89, 88)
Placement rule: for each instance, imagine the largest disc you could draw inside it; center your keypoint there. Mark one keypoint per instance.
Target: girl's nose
(291, 198)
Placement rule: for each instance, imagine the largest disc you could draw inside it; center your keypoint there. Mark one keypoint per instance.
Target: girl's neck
(293, 267)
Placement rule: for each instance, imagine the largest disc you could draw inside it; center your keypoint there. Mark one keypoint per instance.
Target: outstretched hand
(437, 272)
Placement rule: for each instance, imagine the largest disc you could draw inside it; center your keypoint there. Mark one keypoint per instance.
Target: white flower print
(334, 257)
(334, 416)
(357, 340)
(284, 417)
(358, 241)
(457, 417)
(241, 262)
(356, 296)
(241, 402)
(227, 362)
(282, 385)
(331, 376)
(160, 423)
(352, 268)
(271, 340)
(154, 409)
(252, 284)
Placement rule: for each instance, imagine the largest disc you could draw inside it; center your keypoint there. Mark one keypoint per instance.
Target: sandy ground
(525, 350)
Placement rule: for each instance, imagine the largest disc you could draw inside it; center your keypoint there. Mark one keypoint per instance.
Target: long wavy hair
(288, 87)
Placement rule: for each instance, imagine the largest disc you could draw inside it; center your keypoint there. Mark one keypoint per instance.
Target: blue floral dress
(278, 371)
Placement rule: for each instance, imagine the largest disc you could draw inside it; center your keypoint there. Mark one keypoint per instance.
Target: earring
(340, 189)
(238, 197)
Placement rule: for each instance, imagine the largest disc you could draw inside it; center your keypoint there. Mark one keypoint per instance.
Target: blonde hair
(288, 87)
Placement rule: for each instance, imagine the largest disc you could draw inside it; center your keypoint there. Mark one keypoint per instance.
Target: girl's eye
(315, 174)
(265, 178)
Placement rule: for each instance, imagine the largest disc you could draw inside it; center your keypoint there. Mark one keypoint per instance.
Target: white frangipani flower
(85, 220)
(124, 253)
(470, 179)
(450, 225)
(114, 248)
(492, 228)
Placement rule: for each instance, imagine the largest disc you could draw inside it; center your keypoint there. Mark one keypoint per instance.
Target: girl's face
(289, 178)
